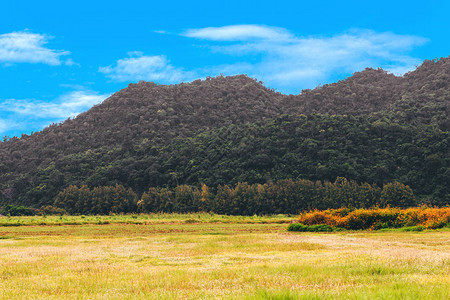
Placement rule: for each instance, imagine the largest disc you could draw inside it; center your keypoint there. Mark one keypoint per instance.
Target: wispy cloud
(68, 105)
(140, 67)
(239, 33)
(26, 47)
(30, 114)
(277, 56)
(286, 60)
(3, 126)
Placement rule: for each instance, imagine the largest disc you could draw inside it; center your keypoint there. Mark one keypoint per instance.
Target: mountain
(373, 127)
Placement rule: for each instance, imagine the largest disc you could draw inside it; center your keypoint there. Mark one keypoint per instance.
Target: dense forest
(284, 196)
(372, 127)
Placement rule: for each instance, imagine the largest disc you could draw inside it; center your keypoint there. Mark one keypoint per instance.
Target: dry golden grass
(233, 260)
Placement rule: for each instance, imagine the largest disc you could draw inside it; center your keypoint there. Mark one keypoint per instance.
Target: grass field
(204, 256)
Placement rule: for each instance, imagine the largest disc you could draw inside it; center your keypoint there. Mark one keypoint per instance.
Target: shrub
(297, 227)
(321, 228)
(367, 219)
(413, 228)
(13, 210)
(52, 210)
(319, 217)
(375, 219)
(313, 228)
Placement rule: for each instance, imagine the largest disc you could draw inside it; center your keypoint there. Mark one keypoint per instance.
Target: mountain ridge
(139, 123)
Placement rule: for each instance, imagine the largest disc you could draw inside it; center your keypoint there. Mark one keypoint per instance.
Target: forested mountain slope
(372, 127)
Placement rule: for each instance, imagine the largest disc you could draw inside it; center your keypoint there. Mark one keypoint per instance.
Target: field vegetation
(373, 219)
(286, 196)
(204, 256)
(141, 219)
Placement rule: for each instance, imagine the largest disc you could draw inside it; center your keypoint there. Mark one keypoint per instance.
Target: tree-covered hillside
(372, 127)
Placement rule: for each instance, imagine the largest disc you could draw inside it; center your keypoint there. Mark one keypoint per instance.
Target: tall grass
(142, 219)
(219, 260)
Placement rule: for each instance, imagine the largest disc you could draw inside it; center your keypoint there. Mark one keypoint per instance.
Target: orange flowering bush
(319, 217)
(378, 218)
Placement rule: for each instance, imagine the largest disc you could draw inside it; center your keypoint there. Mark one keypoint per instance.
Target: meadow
(206, 256)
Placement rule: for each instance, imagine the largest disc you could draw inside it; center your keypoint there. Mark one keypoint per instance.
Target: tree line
(285, 196)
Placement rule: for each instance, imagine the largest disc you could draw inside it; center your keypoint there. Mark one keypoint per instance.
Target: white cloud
(26, 47)
(70, 62)
(141, 67)
(285, 60)
(68, 105)
(161, 31)
(401, 70)
(239, 33)
(278, 57)
(3, 127)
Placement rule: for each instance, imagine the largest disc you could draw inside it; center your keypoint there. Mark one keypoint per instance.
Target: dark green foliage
(413, 228)
(186, 199)
(372, 127)
(317, 147)
(367, 219)
(13, 210)
(99, 200)
(52, 210)
(440, 224)
(313, 228)
(157, 200)
(397, 194)
(283, 196)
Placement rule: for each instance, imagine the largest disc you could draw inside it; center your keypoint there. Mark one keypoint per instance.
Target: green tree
(396, 194)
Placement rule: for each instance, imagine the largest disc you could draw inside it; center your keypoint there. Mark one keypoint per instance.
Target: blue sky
(58, 58)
